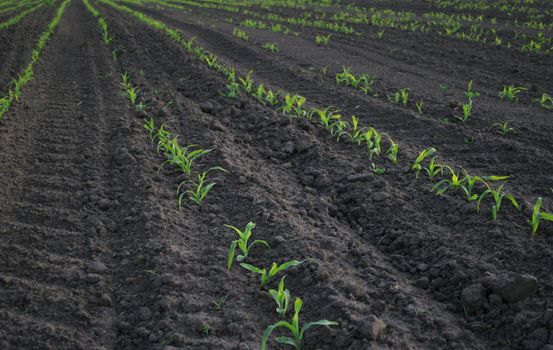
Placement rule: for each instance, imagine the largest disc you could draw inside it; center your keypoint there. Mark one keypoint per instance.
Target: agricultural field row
(204, 175)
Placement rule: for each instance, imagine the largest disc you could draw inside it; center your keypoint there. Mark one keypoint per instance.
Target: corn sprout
(242, 244)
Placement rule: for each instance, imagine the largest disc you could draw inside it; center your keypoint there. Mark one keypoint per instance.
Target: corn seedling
(498, 196)
(199, 190)
(242, 244)
(356, 132)
(266, 277)
(180, 157)
(259, 93)
(240, 34)
(233, 90)
(150, 126)
(211, 60)
(419, 105)
(380, 34)
(327, 117)
(271, 98)
(453, 184)
(537, 216)
(247, 83)
(503, 128)
(293, 106)
(510, 93)
(470, 94)
(373, 139)
(376, 170)
(205, 328)
(392, 151)
(434, 169)
(322, 40)
(467, 111)
(401, 95)
(470, 181)
(219, 303)
(546, 101)
(282, 297)
(271, 47)
(417, 167)
(339, 128)
(298, 332)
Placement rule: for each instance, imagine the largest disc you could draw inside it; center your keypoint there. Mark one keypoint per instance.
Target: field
(300, 174)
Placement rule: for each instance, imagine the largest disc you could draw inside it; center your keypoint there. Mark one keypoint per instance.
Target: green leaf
(511, 198)
(231, 254)
(251, 268)
(319, 323)
(286, 340)
(546, 216)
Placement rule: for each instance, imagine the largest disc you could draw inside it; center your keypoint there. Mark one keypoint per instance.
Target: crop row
(292, 106)
(440, 23)
(365, 82)
(12, 6)
(15, 85)
(182, 158)
(17, 18)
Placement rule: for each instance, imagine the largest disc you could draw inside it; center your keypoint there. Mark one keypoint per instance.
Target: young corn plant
(240, 34)
(282, 297)
(546, 101)
(376, 169)
(453, 184)
(233, 90)
(267, 276)
(242, 244)
(503, 128)
(293, 106)
(469, 181)
(322, 40)
(417, 166)
(400, 96)
(498, 196)
(339, 128)
(419, 105)
(200, 188)
(356, 132)
(393, 150)
(470, 94)
(181, 157)
(271, 47)
(247, 83)
(467, 111)
(373, 139)
(150, 126)
(260, 93)
(434, 169)
(298, 333)
(539, 215)
(271, 98)
(510, 93)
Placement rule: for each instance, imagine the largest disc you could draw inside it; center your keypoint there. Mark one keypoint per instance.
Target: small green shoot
(294, 327)
(282, 297)
(538, 215)
(242, 244)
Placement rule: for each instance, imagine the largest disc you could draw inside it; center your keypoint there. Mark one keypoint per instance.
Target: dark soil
(95, 253)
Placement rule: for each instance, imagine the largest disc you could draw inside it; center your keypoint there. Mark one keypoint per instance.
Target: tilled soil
(96, 254)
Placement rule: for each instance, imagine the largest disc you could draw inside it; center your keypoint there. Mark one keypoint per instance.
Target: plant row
(15, 85)
(182, 159)
(17, 18)
(474, 188)
(440, 23)
(292, 105)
